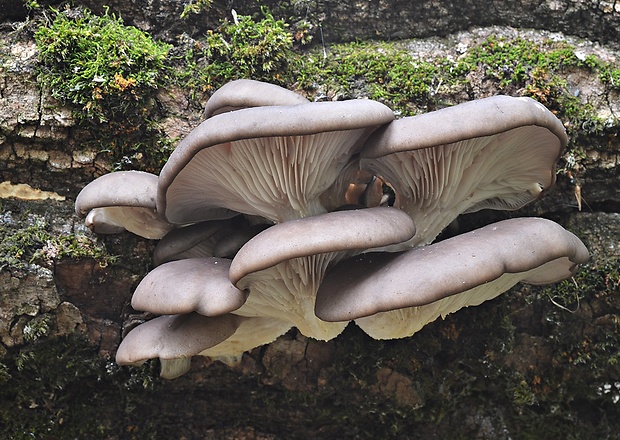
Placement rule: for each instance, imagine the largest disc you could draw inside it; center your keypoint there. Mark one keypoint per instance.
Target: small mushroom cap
(244, 93)
(122, 188)
(538, 249)
(191, 285)
(121, 201)
(175, 337)
(350, 230)
(256, 160)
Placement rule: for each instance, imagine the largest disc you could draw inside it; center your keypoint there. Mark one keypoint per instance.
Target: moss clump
(33, 244)
(246, 48)
(388, 72)
(27, 237)
(96, 62)
(111, 72)
(196, 7)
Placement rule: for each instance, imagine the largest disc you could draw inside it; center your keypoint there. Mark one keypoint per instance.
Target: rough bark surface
(533, 363)
(346, 21)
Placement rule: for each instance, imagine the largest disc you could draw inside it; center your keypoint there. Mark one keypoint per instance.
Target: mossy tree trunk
(534, 363)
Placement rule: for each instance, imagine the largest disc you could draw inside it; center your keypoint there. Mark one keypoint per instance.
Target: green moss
(196, 7)
(110, 72)
(34, 244)
(96, 62)
(595, 350)
(248, 48)
(388, 72)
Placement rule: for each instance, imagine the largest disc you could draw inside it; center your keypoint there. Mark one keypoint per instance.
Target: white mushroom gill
(437, 184)
(251, 333)
(278, 178)
(144, 222)
(405, 322)
(287, 292)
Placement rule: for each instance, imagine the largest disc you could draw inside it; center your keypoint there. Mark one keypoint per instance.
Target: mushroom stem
(287, 291)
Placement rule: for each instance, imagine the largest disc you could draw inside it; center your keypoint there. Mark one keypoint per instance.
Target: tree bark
(534, 363)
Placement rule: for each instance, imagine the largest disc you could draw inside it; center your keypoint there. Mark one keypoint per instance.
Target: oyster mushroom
(285, 164)
(245, 93)
(493, 153)
(273, 162)
(393, 295)
(175, 339)
(189, 285)
(120, 201)
(283, 266)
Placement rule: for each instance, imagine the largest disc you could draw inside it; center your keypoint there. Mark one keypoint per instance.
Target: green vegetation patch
(96, 62)
(48, 390)
(388, 73)
(34, 244)
(111, 73)
(245, 48)
(27, 237)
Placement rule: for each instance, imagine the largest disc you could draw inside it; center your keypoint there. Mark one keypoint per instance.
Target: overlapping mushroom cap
(122, 201)
(280, 212)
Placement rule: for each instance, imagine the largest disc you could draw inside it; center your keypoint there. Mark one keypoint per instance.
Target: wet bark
(533, 363)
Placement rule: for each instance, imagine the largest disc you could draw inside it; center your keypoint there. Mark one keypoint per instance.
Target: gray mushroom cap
(123, 200)
(350, 230)
(494, 153)
(191, 285)
(194, 241)
(244, 93)
(469, 120)
(123, 188)
(175, 337)
(257, 160)
(282, 267)
(538, 250)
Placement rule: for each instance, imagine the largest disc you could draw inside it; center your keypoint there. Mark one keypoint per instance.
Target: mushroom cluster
(277, 212)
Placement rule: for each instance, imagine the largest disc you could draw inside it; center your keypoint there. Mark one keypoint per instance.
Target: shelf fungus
(276, 212)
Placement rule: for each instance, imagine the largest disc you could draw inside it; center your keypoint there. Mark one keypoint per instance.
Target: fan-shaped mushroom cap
(469, 120)
(496, 153)
(175, 337)
(272, 161)
(350, 230)
(283, 266)
(441, 278)
(244, 93)
(120, 201)
(191, 285)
